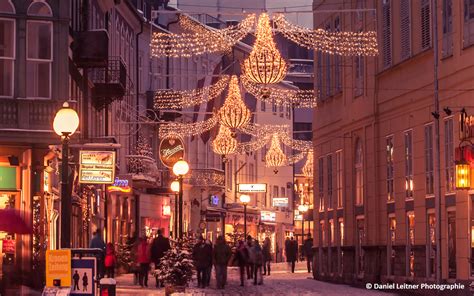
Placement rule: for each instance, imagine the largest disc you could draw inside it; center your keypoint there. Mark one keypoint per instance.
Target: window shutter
(425, 24)
(386, 34)
(405, 34)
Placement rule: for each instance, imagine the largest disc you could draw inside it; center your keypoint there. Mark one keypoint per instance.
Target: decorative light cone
(234, 113)
(264, 64)
(224, 143)
(275, 156)
(308, 166)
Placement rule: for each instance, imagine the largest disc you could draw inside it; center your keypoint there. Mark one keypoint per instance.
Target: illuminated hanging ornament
(308, 166)
(275, 156)
(234, 113)
(224, 144)
(264, 64)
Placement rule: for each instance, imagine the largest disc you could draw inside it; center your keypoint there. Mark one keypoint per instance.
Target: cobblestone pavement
(281, 282)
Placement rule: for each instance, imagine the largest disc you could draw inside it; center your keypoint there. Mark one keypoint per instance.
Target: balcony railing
(27, 114)
(301, 67)
(143, 169)
(110, 83)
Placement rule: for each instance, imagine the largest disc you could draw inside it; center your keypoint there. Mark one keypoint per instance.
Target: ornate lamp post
(65, 124)
(245, 199)
(180, 168)
(303, 209)
(175, 188)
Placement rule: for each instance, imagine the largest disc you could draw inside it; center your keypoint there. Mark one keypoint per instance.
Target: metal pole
(437, 171)
(180, 217)
(175, 231)
(65, 196)
(302, 228)
(245, 220)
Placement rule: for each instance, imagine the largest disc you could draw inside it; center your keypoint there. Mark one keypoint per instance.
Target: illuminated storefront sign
(120, 185)
(171, 150)
(97, 167)
(281, 202)
(268, 216)
(214, 200)
(260, 187)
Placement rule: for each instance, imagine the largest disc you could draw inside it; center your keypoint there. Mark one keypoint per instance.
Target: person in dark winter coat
(110, 260)
(98, 243)
(291, 249)
(242, 258)
(143, 259)
(249, 266)
(202, 255)
(159, 247)
(256, 257)
(221, 255)
(308, 252)
(267, 255)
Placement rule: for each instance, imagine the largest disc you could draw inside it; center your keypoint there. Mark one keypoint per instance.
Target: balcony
(110, 82)
(301, 67)
(144, 171)
(91, 49)
(27, 114)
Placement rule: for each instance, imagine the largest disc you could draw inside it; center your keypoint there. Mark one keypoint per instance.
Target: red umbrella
(12, 222)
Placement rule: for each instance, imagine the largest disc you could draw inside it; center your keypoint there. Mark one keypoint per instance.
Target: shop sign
(120, 185)
(8, 178)
(260, 187)
(166, 210)
(268, 216)
(58, 267)
(214, 200)
(171, 150)
(8, 246)
(281, 202)
(97, 167)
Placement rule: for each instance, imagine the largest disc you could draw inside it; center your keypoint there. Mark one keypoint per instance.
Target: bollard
(107, 287)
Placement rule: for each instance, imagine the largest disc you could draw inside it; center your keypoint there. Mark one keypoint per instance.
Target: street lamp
(302, 209)
(65, 124)
(245, 199)
(175, 188)
(180, 168)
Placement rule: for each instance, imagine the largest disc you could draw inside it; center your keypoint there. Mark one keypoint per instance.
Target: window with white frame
(359, 173)
(449, 154)
(429, 163)
(7, 50)
(321, 183)
(39, 52)
(329, 187)
(386, 34)
(339, 173)
(389, 161)
(262, 106)
(409, 164)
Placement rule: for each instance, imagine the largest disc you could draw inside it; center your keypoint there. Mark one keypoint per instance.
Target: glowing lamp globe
(66, 121)
(175, 186)
(302, 208)
(244, 198)
(181, 168)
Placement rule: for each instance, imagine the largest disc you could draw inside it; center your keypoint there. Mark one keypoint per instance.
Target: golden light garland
(224, 144)
(295, 158)
(308, 166)
(275, 156)
(176, 99)
(290, 98)
(300, 145)
(264, 64)
(341, 43)
(253, 145)
(186, 129)
(234, 113)
(199, 41)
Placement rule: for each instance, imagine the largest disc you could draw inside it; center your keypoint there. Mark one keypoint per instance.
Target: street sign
(281, 202)
(97, 167)
(259, 187)
(268, 216)
(58, 267)
(171, 150)
(83, 276)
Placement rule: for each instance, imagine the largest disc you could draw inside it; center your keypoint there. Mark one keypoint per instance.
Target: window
(392, 228)
(321, 183)
(229, 174)
(449, 154)
(288, 112)
(337, 60)
(447, 28)
(359, 174)
(329, 168)
(452, 245)
(251, 173)
(39, 52)
(275, 191)
(262, 106)
(331, 232)
(409, 164)
(468, 36)
(386, 34)
(410, 266)
(360, 250)
(341, 231)
(405, 29)
(340, 253)
(339, 173)
(431, 245)
(282, 192)
(389, 160)
(264, 152)
(425, 24)
(281, 110)
(429, 164)
(274, 107)
(7, 53)
(319, 71)
(323, 232)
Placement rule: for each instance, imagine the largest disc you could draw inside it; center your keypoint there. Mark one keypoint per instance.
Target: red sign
(8, 246)
(171, 150)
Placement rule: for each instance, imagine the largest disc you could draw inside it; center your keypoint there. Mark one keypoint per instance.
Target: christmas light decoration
(186, 129)
(224, 144)
(264, 64)
(254, 145)
(340, 43)
(176, 99)
(300, 145)
(262, 131)
(234, 113)
(275, 156)
(308, 166)
(201, 39)
(295, 158)
(290, 98)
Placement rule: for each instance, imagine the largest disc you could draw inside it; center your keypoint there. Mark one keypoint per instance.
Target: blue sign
(214, 200)
(120, 182)
(83, 280)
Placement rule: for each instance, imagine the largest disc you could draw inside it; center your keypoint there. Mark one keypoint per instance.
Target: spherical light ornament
(234, 113)
(180, 168)
(66, 121)
(275, 156)
(244, 198)
(175, 186)
(308, 166)
(224, 143)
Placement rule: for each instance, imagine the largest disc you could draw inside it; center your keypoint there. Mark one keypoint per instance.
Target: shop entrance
(8, 200)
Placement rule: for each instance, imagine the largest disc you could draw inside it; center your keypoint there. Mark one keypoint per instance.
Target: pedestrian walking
(308, 251)
(267, 255)
(249, 266)
(256, 256)
(135, 266)
(159, 247)
(110, 260)
(202, 255)
(209, 266)
(221, 255)
(242, 258)
(143, 259)
(98, 243)
(291, 249)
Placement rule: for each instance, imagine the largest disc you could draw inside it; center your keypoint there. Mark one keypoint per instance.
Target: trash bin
(107, 287)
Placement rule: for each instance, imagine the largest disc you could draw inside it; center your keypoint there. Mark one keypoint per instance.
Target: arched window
(359, 173)
(7, 50)
(39, 52)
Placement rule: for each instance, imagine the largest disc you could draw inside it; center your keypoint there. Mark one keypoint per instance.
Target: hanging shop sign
(466, 127)
(259, 187)
(97, 167)
(58, 268)
(214, 200)
(267, 216)
(281, 202)
(171, 150)
(120, 185)
(8, 246)
(8, 178)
